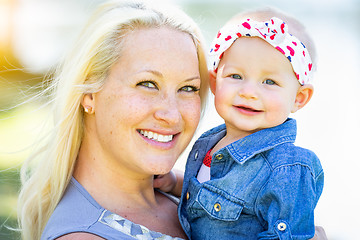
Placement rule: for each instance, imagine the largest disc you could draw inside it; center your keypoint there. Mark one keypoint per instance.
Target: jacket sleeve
(287, 201)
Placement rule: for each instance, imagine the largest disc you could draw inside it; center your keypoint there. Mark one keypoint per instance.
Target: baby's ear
(303, 96)
(212, 80)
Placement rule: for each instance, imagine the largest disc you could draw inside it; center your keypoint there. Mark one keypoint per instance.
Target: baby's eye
(189, 89)
(148, 84)
(235, 76)
(269, 82)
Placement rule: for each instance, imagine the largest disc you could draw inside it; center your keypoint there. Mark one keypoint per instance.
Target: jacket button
(217, 207)
(187, 196)
(219, 156)
(281, 226)
(196, 154)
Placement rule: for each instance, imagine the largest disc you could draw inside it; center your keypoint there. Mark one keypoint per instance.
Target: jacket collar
(245, 148)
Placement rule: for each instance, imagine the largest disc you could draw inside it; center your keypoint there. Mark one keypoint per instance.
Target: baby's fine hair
(47, 172)
(296, 28)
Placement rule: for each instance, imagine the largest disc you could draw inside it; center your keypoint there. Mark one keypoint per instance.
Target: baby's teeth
(150, 135)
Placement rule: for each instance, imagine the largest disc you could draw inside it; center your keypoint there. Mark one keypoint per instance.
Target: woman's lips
(157, 140)
(156, 136)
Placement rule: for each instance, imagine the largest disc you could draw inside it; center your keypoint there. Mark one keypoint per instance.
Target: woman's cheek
(193, 111)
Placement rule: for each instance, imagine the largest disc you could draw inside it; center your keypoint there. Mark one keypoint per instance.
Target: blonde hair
(296, 28)
(47, 172)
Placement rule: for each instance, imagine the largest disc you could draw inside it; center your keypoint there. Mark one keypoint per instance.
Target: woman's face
(149, 107)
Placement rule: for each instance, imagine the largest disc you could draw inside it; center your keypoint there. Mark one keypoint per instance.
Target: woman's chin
(160, 167)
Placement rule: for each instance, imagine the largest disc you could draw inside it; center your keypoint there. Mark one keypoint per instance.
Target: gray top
(79, 212)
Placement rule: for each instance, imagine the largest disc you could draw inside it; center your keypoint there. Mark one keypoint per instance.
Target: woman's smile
(157, 140)
(156, 136)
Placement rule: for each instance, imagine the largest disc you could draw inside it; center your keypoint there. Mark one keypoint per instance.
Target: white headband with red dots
(275, 32)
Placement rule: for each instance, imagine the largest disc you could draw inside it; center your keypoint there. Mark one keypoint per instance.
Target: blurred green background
(34, 35)
(14, 83)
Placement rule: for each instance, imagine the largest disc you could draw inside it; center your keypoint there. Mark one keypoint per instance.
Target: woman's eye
(269, 82)
(189, 89)
(148, 84)
(235, 76)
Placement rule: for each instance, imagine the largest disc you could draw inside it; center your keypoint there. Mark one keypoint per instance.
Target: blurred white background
(329, 125)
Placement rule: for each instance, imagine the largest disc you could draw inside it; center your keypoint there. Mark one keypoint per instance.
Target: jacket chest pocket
(219, 204)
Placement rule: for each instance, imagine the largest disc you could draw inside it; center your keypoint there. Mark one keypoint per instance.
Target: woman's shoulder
(76, 206)
(76, 212)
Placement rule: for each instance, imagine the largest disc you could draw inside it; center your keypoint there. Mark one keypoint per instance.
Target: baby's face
(256, 87)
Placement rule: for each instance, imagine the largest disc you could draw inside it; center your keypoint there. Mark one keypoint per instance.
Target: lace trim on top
(131, 229)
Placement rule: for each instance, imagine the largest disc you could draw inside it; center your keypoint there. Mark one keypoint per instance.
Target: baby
(246, 179)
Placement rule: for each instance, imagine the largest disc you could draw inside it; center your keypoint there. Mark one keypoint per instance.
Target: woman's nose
(168, 110)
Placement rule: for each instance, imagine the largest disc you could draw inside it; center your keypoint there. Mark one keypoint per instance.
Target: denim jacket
(261, 187)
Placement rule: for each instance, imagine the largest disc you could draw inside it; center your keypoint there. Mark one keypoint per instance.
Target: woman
(127, 102)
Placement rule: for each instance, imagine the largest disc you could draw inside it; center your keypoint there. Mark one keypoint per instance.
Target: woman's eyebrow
(159, 74)
(193, 78)
(154, 72)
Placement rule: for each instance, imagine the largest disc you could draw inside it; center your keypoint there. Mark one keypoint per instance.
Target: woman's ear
(88, 103)
(212, 81)
(303, 96)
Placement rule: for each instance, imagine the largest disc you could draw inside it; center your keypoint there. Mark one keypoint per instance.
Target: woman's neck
(132, 197)
(111, 186)
(127, 194)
